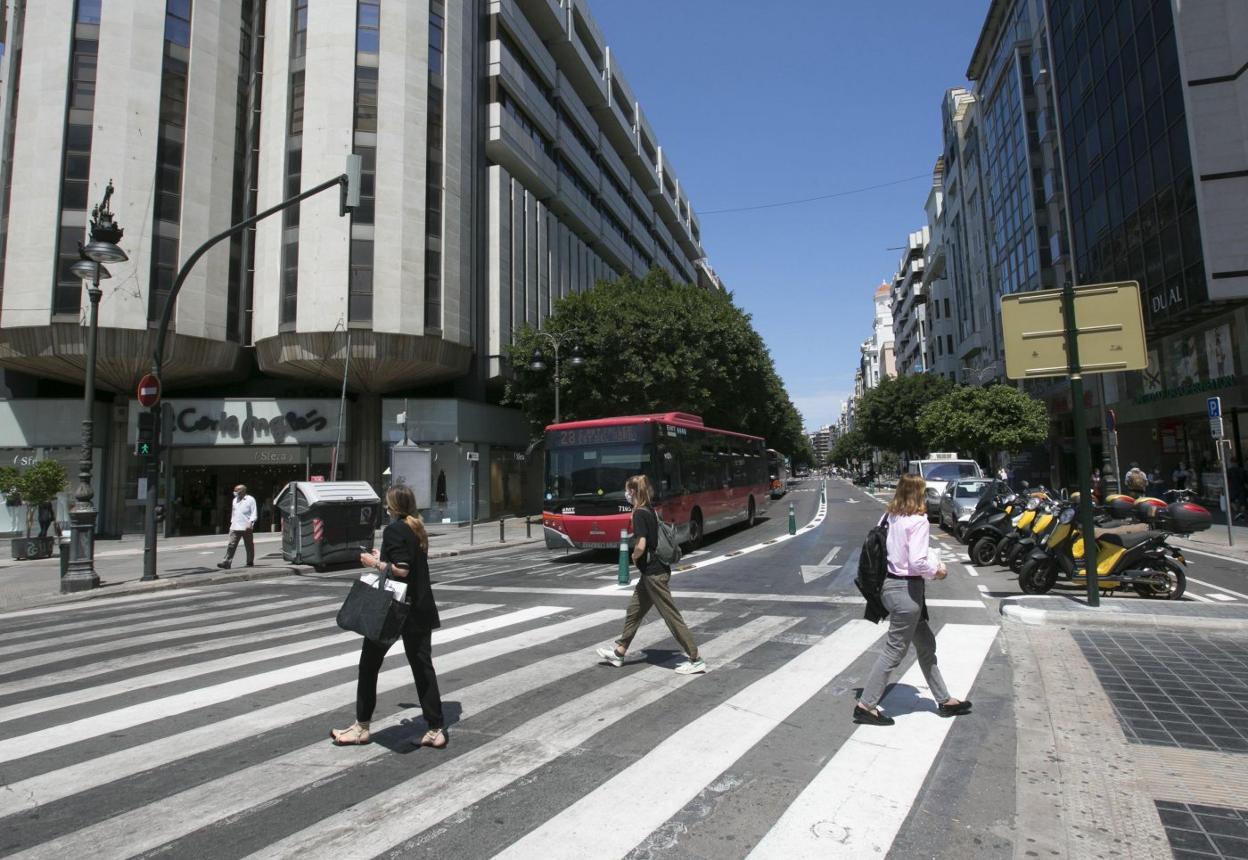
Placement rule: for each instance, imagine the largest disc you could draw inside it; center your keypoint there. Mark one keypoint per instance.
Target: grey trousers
(903, 598)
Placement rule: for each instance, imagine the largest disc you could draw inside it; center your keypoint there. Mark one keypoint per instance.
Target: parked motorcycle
(992, 520)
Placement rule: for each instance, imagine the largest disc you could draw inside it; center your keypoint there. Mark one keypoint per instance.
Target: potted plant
(38, 485)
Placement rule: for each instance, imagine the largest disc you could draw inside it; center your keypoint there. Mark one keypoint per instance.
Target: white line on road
(970, 570)
(406, 810)
(1223, 597)
(1187, 549)
(53, 737)
(105, 604)
(685, 762)
(1191, 595)
(1218, 587)
(49, 787)
(616, 591)
(856, 805)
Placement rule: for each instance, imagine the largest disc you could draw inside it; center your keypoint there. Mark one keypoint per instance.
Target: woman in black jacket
(404, 547)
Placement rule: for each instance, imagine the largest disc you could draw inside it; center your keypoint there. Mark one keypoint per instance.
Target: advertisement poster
(1152, 373)
(1218, 351)
(1184, 361)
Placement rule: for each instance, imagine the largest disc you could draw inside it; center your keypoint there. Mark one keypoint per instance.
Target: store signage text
(1164, 300)
(1185, 390)
(250, 428)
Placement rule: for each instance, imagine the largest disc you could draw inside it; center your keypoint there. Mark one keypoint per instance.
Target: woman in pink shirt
(909, 568)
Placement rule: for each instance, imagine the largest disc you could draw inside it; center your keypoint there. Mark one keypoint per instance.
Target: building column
(366, 462)
(114, 451)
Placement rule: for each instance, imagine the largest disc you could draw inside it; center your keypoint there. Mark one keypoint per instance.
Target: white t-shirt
(242, 514)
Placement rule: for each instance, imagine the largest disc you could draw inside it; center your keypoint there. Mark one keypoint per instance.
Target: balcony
(580, 157)
(522, 32)
(523, 88)
(511, 146)
(612, 199)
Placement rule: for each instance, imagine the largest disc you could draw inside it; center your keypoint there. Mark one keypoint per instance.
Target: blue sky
(764, 102)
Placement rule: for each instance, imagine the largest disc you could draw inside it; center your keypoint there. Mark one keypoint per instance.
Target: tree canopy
(850, 450)
(888, 414)
(653, 345)
(984, 420)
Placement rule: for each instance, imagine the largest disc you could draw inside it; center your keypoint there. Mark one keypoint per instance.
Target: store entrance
(202, 494)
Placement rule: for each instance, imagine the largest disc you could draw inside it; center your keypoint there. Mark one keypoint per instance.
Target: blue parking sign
(1215, 407)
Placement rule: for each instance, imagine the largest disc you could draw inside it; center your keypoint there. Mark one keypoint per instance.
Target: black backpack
(872, 570)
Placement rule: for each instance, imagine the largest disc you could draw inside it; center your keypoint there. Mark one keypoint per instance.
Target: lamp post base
(81, 575)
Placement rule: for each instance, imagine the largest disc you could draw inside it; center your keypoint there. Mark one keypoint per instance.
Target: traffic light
(146, 444)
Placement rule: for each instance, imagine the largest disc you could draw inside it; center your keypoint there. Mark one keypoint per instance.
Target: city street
(193, 723)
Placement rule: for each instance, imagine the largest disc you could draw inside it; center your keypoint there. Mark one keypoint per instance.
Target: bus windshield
(595, 471)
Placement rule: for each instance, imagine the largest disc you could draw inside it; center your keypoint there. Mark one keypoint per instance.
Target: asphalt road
(192, 723)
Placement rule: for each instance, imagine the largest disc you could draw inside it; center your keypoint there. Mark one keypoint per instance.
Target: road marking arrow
(851, 501)
(811, 572)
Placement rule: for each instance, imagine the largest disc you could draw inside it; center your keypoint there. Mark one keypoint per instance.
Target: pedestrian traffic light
(145, 444)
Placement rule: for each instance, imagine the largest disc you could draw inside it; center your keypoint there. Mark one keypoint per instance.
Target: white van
(938, 470)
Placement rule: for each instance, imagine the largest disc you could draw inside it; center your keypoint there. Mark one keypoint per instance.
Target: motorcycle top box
(1185, 518)
(1148, 508)
(1121, 507)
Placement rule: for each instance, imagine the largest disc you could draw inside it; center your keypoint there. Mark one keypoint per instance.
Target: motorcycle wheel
(1037, 576)
(1002, 549)
(1018, 555)
(984, 551)
(1172, 580)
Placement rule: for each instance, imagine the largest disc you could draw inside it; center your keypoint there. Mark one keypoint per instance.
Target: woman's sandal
(354, 735)
(435, 738)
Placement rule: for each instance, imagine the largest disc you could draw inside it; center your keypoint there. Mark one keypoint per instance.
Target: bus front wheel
(695, 529)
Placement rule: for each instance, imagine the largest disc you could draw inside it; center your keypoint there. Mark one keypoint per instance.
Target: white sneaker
(609, 655)
(691, 667)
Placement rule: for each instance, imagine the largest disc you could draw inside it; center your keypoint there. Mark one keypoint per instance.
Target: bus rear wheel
(751, 518)
(695, 530)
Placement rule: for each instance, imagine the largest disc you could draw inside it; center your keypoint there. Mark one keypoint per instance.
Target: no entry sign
(149, 391)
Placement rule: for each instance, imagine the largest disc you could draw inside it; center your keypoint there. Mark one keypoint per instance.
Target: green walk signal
(145, 441)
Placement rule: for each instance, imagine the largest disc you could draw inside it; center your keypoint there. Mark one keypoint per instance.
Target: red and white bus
(704, 479)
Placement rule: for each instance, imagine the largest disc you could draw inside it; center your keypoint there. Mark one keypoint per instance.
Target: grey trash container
(327, 523)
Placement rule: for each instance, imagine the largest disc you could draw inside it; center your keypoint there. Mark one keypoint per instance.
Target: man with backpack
(649, 545)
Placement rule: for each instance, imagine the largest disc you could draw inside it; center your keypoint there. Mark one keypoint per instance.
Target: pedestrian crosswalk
(170, 724)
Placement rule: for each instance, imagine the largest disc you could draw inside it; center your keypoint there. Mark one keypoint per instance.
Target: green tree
(653, 345)
(850, 450)
(888, 414)
(985, 420)
(38, 484)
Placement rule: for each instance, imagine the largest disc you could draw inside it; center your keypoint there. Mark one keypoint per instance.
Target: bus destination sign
(620, 433)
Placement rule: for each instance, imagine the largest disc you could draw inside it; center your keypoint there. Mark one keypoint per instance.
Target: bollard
(622, 575)
(502, 534)
(792, 520)
(63, 546)
(528, 527)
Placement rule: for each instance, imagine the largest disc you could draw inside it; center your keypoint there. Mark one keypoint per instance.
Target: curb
(1070, 618)
(138, 587)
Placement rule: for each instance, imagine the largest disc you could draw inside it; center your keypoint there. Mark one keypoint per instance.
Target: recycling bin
(327, 522)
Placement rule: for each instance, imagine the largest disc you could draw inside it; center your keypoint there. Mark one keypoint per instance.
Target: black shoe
(224, 565)
(871, 718)
(953, 710)
(251, 564)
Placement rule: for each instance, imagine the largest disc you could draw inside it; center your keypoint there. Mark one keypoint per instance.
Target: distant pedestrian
(1096, 485)
(242, 524)
(405, 553)
(652, 585)
(909, 568)
(1237, 488)
(1180, 477)
(46, 517)
(1135, 480)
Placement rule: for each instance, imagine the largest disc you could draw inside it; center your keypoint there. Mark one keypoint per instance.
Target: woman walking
(652, 586)
(404, 550)
(909, 568)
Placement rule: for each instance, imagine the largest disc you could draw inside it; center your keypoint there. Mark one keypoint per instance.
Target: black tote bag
(373, 612)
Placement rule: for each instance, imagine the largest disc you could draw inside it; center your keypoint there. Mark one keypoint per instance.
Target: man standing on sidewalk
(242, 522)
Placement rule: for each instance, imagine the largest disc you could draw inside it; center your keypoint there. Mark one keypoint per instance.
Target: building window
(433, 169)
(360, 280)
(170, 148)
(14, 48)
(246, 147)
(76, 163)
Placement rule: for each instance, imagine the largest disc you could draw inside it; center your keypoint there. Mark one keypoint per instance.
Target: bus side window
(669, 470)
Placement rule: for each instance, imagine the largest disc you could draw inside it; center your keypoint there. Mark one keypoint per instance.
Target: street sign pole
(1216, 430)
(1083, 454)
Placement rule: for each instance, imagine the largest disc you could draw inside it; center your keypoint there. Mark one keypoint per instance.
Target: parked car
(959, 499)
(938, 470)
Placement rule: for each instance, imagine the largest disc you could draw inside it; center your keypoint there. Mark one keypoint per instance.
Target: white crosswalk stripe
(103, 745)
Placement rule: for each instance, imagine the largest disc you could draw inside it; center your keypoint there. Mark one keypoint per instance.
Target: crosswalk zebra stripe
(23, 642)
(857, 803)
(409, 808)
(181, 673)
(168, 609)
(95, 649)
(687, 760)
(146, 712)
(27, 794)
(102, 604)
(616, 591)
(173, 817)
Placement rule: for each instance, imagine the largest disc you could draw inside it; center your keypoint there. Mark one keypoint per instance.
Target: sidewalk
(191, 561)
(1132, 727)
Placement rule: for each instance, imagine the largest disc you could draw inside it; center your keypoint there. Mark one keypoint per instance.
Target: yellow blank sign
(1111, 331)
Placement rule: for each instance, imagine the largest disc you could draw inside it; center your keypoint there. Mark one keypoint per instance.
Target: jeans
(418, 643)
(903, 598)
(653, 590)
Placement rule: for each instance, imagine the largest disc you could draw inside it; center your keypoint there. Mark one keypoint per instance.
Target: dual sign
(1215, 416)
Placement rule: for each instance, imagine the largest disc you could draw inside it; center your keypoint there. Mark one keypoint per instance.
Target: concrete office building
(941, 356)
(909, 306)
(506, 164)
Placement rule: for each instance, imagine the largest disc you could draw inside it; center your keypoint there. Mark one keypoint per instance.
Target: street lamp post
(557, 341)
(101, 248)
